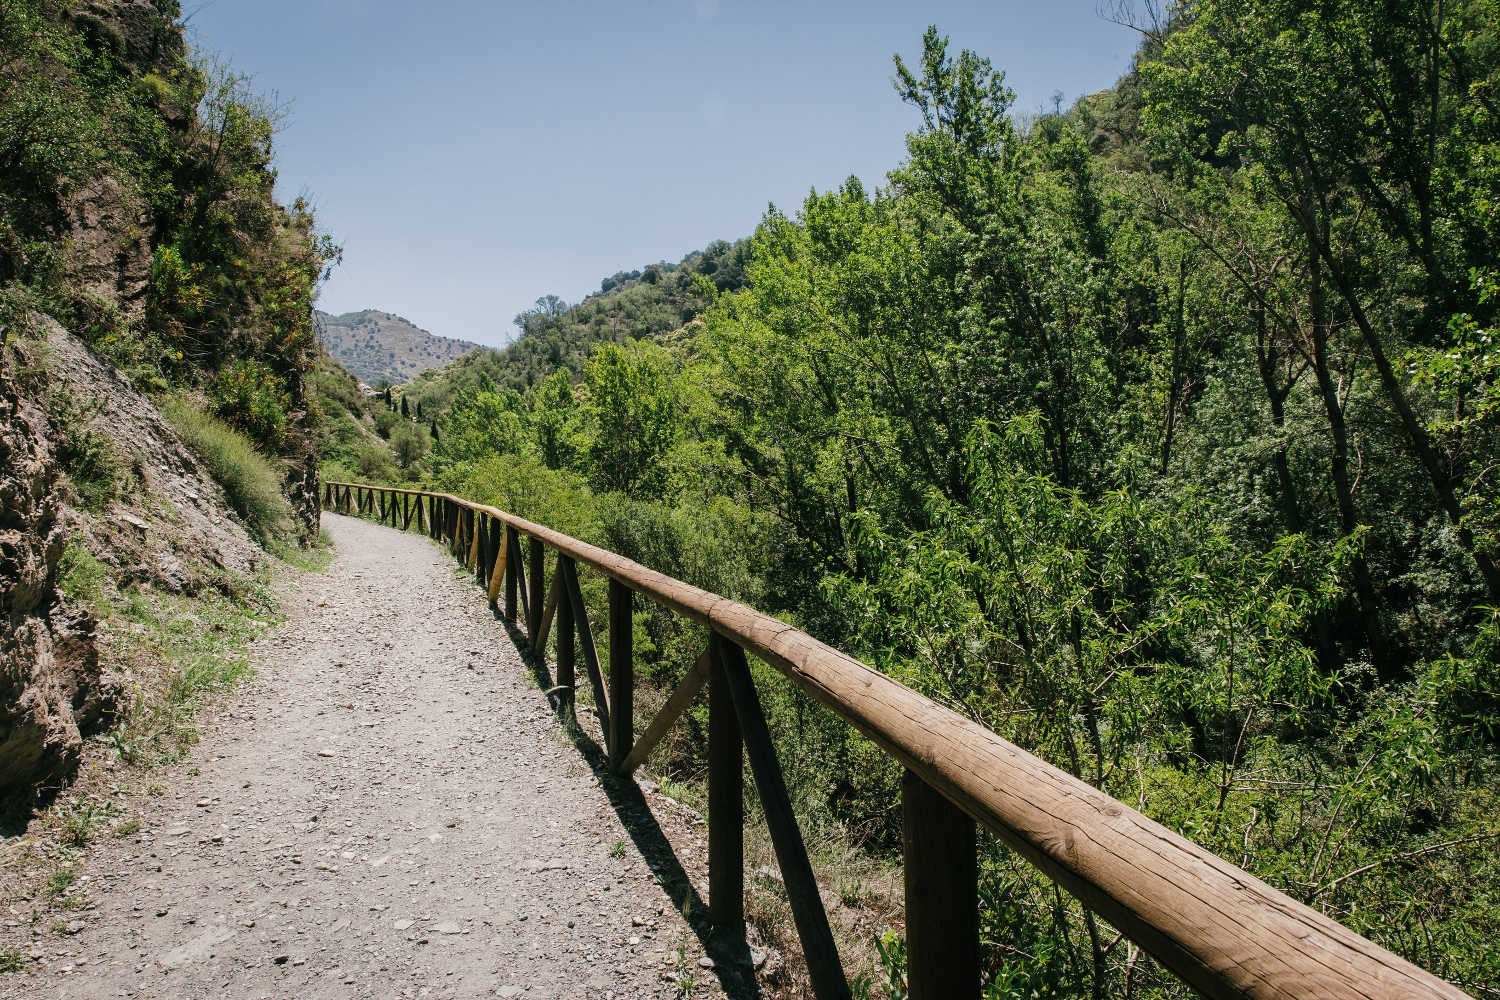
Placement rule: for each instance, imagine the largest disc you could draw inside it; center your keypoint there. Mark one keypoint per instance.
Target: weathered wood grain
(497, 578)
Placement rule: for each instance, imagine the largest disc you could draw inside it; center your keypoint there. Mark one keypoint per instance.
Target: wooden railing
(1222, 930)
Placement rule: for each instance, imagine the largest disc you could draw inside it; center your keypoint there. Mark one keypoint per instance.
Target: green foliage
(1464, 691)
(196, 648)
(250, 481)
(633, 408)
(349, 443)
(81, 576)
(1157, 435)
(250, 397)
(89, 455)
(482, 421)
(171, 158)
(557, 338)
(524, 486)
(409, 445)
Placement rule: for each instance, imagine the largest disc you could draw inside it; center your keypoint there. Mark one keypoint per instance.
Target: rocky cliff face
(51, 690)
(170, 530)
(108, 225)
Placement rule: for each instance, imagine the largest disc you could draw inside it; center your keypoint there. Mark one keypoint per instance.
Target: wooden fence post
(726, 804)
(519, 579)
(942, 895)
(567, 571)
(482, 556)
(823, 965)
(621, 734)
(535, 583)
(511, 579)
(566, 679)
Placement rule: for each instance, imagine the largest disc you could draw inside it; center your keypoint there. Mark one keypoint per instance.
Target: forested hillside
(647, 302)
(1158, 435)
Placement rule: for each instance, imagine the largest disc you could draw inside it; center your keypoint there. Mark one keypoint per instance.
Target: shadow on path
(733, 964)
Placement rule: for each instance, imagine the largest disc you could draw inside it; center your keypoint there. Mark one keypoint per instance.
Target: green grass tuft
(250, 480)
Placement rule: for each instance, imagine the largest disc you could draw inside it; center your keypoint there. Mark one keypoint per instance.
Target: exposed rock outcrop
(111, 252)
(51, 691)
(172, 530)
(134, 29)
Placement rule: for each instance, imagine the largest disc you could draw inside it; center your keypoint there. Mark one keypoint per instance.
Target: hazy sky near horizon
(472, 156)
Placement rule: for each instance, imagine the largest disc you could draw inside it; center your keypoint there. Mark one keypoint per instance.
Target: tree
(409, 446)
(633, 411)
(1361, 123)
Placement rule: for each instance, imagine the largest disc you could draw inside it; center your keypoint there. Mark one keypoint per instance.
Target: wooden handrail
(1222, 930)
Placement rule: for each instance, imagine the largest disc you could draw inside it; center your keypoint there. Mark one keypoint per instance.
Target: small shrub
(81, 822)
(249, 396)
(409, 445)
(94, 466)
(250, 481)
(59, 882)
(375, 464)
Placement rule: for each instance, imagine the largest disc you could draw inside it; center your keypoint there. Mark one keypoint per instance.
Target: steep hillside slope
(156, 424)
(377, 347)
(90, 468)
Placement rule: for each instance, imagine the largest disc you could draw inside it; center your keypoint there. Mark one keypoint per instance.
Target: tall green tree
(1362, 122)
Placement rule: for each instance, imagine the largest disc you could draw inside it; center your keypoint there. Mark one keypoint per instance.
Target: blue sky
(473, 156)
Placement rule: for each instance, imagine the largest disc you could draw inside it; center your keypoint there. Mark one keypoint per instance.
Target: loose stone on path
(387, 810)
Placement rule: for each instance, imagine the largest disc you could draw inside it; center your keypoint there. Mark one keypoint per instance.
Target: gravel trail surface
(389, 809)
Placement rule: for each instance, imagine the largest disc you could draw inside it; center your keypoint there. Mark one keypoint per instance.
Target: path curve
(388, 810)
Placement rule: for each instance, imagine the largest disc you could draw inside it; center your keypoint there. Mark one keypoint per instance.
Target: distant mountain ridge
(373, 346)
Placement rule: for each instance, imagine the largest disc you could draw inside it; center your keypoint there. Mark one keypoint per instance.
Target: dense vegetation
(646, 302)
(137, 208)
(1158, 435)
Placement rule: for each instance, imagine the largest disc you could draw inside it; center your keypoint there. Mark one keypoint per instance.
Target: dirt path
(388, 810)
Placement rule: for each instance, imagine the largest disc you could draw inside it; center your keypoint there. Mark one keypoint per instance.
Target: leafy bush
(252, 398)
(375, 464)
(250, 481)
